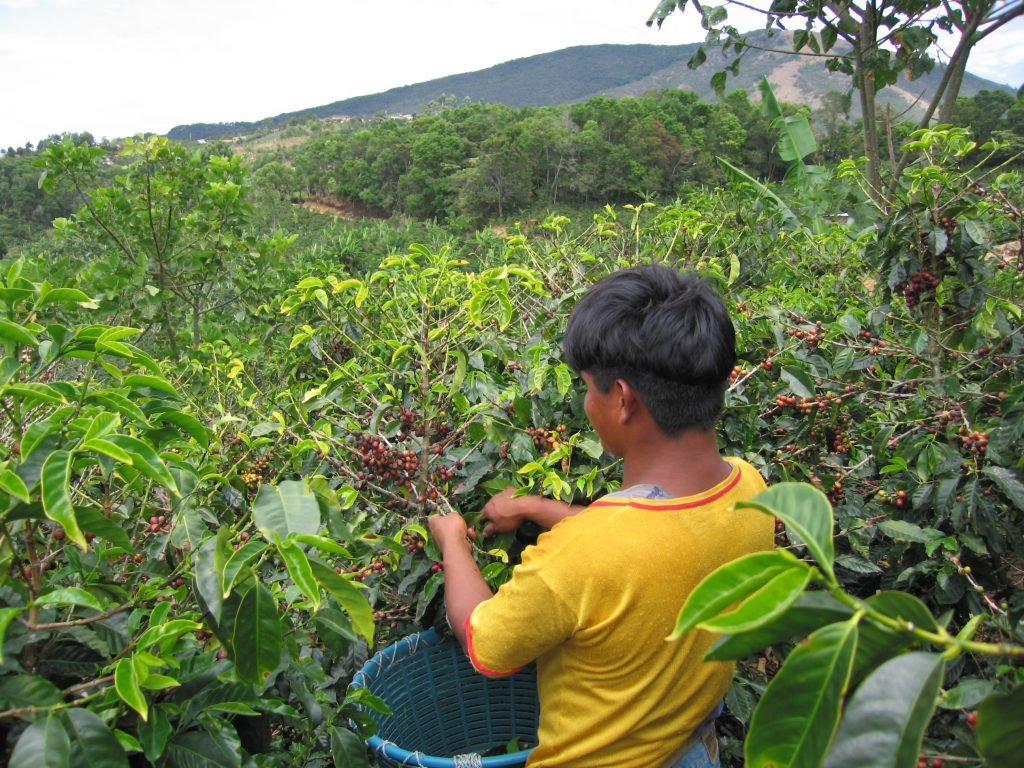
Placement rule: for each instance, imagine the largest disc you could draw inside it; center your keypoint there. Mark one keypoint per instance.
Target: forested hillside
(583, 72)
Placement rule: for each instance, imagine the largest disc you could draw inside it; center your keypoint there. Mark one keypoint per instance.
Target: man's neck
(684, 465)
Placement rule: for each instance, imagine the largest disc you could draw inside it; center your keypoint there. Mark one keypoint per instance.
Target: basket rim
(395, 652)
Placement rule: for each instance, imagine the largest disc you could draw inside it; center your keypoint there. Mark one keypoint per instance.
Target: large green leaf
(117, 402)
(146, 460)
(166, 630)
(17, 691)
(297, 563)
(237, 562)
(349, 597)
(767, 603)
(55, 482)
(7, 615)
(883, 723)
(14, 486)
(34, 392)
(201, 749)
(126, 683)
(44, 744)
(153, 733)
(19, 334)
(731, 583)
(810, 611)
(257, 639)
(347, 749)
(70, 596)
(1000, 728)
(797, 717)
(288, 507)
(806, 512)
(93, 744)
(877, 643)
(209, 566)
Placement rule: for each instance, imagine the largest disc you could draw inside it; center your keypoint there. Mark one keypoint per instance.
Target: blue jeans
(704, 752)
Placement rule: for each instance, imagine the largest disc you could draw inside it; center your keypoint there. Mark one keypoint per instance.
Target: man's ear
(626, 400)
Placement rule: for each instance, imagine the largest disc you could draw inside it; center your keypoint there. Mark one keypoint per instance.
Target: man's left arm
(464, 586)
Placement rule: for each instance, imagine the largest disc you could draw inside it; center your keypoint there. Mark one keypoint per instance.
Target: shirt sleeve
(522, 621)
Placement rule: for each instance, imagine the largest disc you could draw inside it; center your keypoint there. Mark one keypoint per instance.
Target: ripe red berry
(972, 719)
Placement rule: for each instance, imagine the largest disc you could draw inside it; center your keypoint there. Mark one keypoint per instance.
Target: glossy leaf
(1000, 728)
(347, 749)
(732, 583)
(201, 749)
(297, 563)
(288, 507)
(93, 744)
(256, 641)
(7, 615)
(24, 690)
(905, 608)
(164, 631)
(349, 597)
(11, 331)
(126, 683)
(797, 717)
(146, 460)
(806, 512)
(14, 486)
(764, 605)
(811, 611)
(153, 733)
(55, 481)
(70, 596)
(188, 424)
(108, 449)
(886, 718)
(44, 744)
(238, 561)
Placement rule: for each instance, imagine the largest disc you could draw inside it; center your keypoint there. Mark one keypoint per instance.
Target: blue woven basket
(445, 714)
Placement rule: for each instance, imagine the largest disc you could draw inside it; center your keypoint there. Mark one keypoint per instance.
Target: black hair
(667, 333)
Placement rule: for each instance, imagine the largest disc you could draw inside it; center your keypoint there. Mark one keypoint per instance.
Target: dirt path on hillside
(343, 209)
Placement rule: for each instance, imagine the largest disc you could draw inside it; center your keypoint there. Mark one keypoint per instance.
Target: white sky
(120, 67)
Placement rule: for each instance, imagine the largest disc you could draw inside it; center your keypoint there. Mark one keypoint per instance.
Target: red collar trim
(668, 504)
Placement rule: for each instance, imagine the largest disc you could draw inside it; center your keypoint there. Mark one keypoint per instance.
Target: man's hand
(450, 530)
(505, 511)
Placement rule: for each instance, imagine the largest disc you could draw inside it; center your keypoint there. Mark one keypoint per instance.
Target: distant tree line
(474, 162)
(481, 161)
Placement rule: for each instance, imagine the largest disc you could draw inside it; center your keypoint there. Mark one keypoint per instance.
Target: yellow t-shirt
(593, 601)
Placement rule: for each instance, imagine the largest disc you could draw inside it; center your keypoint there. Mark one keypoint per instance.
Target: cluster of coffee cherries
(159, 524)
(379, 462)
(339, 351)
(546, 440)
(737, 372)
(807, 405)
(259, 471)
(918, 284)
(973, 441)
(811, 335)
(412, 542)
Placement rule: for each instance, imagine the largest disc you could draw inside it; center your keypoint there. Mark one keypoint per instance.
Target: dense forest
(238, 375)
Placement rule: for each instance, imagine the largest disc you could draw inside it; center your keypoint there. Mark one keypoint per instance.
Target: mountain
(583, 72)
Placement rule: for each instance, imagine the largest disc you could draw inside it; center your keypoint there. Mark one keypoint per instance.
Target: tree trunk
(866, 89)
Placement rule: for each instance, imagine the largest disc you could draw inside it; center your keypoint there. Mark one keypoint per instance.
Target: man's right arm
(505, 511)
